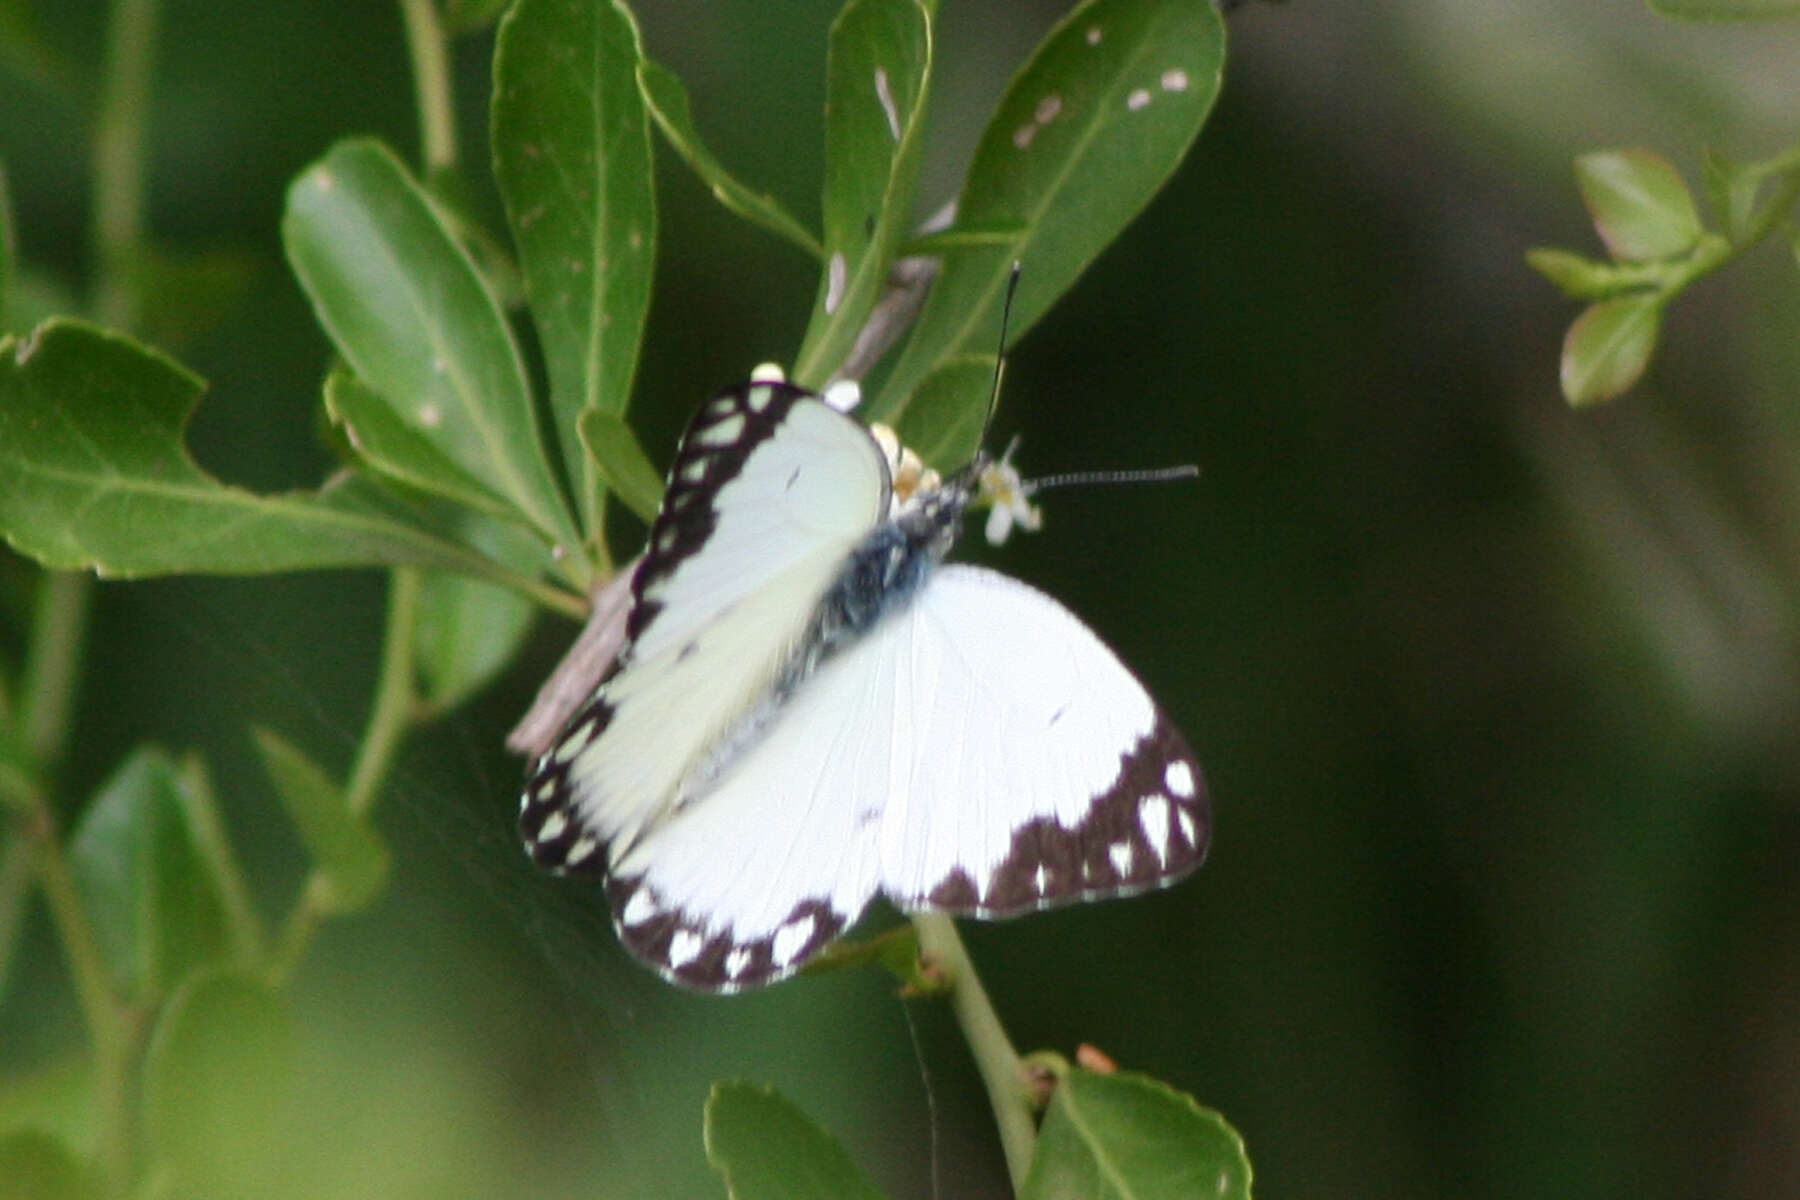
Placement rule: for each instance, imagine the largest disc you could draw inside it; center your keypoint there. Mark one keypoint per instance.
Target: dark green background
(1498, 701)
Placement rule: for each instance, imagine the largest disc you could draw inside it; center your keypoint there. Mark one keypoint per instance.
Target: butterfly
(811, 709)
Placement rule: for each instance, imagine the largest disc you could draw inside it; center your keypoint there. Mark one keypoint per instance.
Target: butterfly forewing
(769, 491)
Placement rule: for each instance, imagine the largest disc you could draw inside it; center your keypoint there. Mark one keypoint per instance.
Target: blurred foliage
(1645, 214)
(1497, 699)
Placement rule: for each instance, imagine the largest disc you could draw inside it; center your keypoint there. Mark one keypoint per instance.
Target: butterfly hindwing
(948, 759)
(769, 491)
(1041, 771)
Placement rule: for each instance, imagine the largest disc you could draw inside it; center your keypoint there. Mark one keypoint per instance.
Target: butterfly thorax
(885, 572)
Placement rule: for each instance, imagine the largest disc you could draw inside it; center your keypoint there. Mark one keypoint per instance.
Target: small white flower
(1006, 492)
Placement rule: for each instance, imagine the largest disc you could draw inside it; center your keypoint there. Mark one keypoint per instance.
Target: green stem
(395, 703)
(118, 161)
(15, 887)
(994, 1055)
(430, 52)
(1779, 164)
(107, 1021)
(58, 633)
(213, 843)
(309, 912)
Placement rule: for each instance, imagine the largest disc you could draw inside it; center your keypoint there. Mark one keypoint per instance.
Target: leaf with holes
(94, 474)
(1086, 134)
(878, 79)
(572, 157)
(406, 308)
(1126, 1136)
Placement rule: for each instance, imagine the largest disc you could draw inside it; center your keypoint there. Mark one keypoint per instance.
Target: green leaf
(1725, 10)
(1640, 206)
(878, 78)
(153, 902)
(766, 1149)
(1129, 1137)
(410, 314)
(36, 1166)
(1732, 191)
(572, 157)
(94, 473)
(948, 414)
(1086, 134)
(1608, 347)
(668, 101)
(218, 1084)
(212, 843)
(623, 463)
(345, 849)
(468, 631)
(390, 446)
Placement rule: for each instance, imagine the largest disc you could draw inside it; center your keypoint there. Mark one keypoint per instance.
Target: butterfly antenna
(1032, 487)
(1012, 287)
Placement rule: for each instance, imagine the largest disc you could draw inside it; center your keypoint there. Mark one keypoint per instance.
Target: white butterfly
(809, 711)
